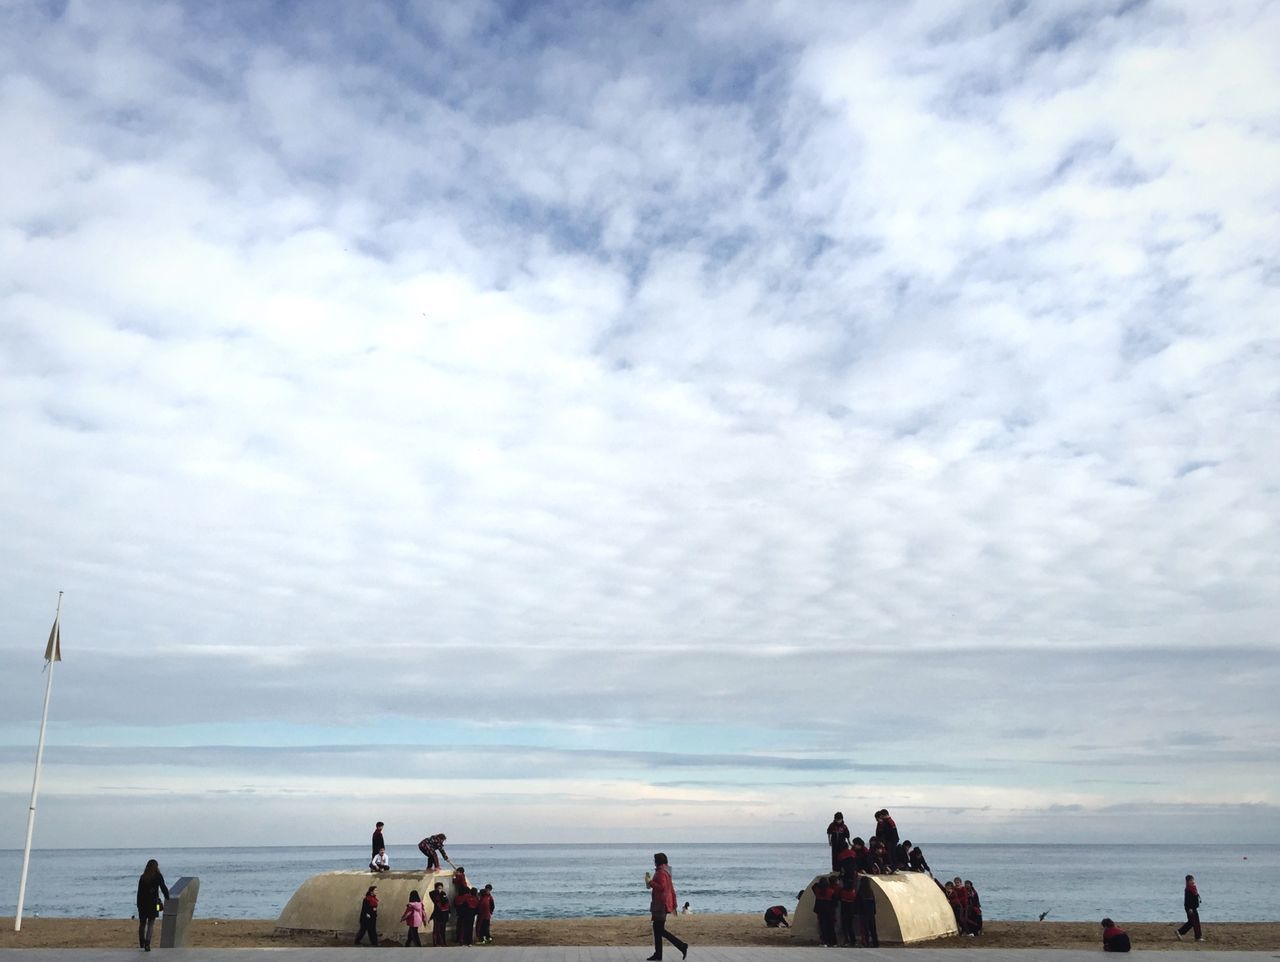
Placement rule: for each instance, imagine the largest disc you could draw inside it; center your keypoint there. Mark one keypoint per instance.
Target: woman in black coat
(150, 885)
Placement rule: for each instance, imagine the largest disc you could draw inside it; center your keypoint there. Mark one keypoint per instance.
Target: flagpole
(54, 647)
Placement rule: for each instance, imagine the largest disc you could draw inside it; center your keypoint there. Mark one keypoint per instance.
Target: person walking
(1191, 904)
(661, 904)
(150, 885)
(415, 914)
(369, 917)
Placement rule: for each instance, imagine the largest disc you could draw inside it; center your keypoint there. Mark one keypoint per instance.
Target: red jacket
(486, 905)
(664, 891)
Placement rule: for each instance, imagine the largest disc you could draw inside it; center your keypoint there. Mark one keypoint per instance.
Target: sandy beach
(630, 930)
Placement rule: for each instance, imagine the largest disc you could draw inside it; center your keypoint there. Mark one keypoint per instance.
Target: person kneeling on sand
(776, 915)
(1114, 938)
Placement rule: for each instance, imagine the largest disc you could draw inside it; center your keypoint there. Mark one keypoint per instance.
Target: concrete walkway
(570, 953)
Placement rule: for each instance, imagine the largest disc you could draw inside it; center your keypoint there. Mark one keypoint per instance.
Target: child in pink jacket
(414, 916)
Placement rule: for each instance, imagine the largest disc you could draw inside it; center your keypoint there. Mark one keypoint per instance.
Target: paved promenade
(556, 953)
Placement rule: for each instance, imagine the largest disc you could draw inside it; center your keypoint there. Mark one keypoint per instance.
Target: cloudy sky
(640, 422)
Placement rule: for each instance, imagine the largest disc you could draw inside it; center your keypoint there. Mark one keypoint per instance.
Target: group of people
(845, 900)
(886, 852)
(472, 908)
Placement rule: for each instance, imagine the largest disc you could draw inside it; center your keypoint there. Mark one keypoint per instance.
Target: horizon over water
(1133, 883)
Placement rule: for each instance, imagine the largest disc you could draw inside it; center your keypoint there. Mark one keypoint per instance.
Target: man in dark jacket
(1191, 904)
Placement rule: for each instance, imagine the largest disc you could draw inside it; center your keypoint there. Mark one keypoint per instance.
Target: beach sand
(629, 930)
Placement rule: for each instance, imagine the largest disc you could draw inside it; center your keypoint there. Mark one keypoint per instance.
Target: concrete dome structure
(909, 908)
(330, 902)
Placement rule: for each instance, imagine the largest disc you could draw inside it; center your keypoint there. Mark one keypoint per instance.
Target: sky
(640, 422)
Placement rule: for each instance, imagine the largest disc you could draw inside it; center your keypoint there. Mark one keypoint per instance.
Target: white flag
(53, 650)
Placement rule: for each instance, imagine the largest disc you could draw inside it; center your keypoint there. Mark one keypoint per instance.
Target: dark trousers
(848, 921)
(660, 932)
(1193, 922)
(482, 928)
(438, 927)
(466, 929)
(369, 925)
(412, 938)
(867, 922)
(826, 910)
(145, 927)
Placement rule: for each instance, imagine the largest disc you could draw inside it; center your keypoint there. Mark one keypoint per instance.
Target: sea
(1133, 883)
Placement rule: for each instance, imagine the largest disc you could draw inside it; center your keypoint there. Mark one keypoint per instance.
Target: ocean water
(1140, 883)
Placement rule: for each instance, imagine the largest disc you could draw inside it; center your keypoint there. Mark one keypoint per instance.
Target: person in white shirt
(379, 862)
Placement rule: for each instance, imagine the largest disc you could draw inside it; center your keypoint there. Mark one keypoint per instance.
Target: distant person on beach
(379, 862)
(775, 916)
(439, 914)
(150, 885)
(1114, 938)
(484, 916)
(837, 836)
(378, 843)
(369, 916)
(1191, 904)
(661, 904)
(415, 916)
(686, 909)
(433, 848)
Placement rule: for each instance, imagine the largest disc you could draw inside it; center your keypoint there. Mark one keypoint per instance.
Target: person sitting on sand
(1114, 938)
(775, 916)
(686, 909)
(379, 862)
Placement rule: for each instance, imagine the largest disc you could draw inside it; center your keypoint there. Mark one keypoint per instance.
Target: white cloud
(721, 386)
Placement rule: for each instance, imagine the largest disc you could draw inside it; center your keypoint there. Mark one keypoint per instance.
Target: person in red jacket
(848, 898)
(661, 904)
(1114, 938)
(466, 902)
(825, 905)
(485, 916)
(776, 915)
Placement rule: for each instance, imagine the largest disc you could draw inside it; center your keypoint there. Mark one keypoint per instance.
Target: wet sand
(630, 931)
